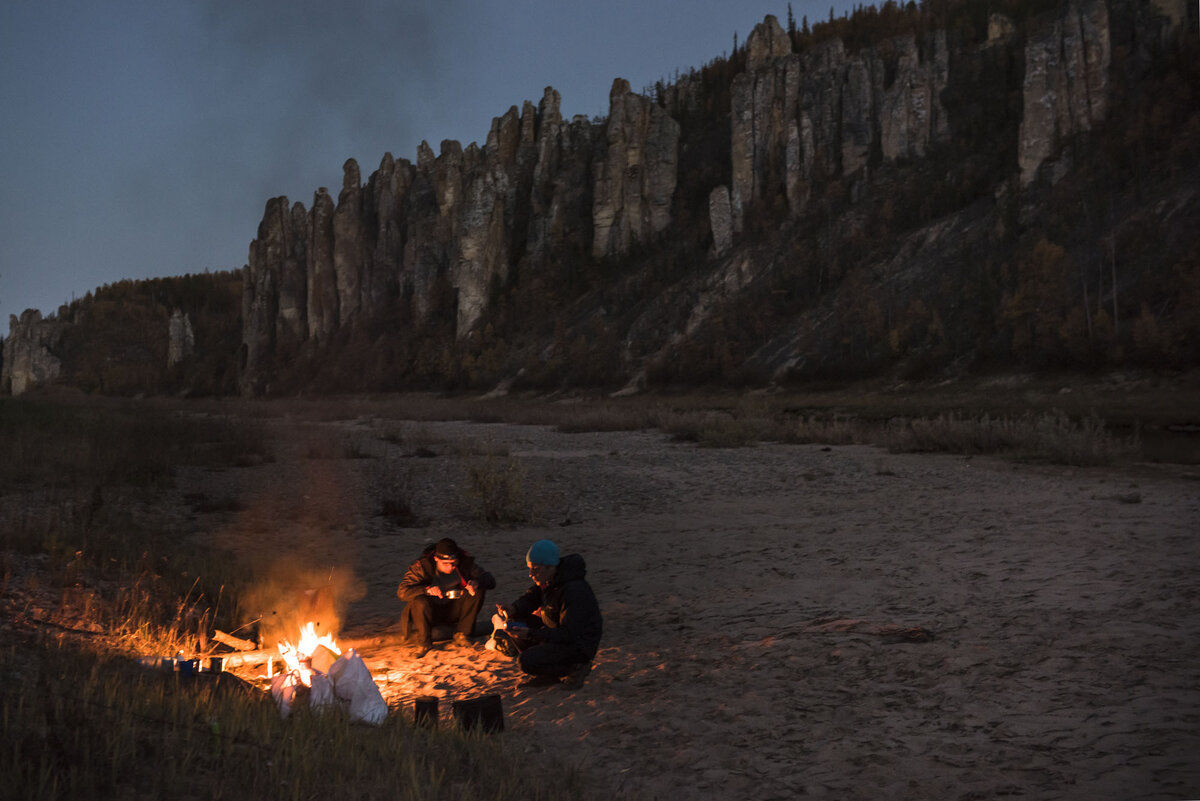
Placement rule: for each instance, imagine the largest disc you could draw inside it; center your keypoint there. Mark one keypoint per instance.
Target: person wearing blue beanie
(554, 628)
(542, 552)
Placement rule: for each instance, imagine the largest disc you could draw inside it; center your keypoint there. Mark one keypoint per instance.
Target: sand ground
(782, 621)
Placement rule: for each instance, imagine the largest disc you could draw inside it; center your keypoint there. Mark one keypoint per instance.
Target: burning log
(261, 656)
(236, 643)
(247, 658)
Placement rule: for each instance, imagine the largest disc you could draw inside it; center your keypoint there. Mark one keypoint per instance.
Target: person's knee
(472, 605)
(420, 606)
(528, 661)
(540, 658)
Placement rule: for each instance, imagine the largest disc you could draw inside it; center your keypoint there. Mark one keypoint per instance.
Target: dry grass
(833, 431)
(83, 723)
(82, 443)
(1021, 423)
(1053, 438)
(499, 485)
(396, 495)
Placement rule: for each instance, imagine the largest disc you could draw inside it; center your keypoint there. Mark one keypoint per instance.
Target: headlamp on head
(446, 550)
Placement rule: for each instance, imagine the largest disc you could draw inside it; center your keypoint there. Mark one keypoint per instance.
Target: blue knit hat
(542, 552)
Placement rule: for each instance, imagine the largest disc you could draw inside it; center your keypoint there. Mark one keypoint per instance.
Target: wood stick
(262, 655)
(236, 643)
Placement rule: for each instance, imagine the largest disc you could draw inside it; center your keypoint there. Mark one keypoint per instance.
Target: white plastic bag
(353, 684)
(286, 686)
(283, 689)
(321, 693)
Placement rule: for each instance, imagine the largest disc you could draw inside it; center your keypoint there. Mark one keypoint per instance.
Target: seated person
(554, 628)
(443, 587)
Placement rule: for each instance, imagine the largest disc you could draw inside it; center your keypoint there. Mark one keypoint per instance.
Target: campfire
(319, 675)
(313, 652)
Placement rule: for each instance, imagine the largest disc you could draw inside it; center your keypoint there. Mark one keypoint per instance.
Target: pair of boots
(572, 680)
(458, 639)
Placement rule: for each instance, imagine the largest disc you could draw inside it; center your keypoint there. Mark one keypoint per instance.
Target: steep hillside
(175, 335)
(910, 191)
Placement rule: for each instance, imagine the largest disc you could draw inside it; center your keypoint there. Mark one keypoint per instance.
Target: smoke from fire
(293, 594)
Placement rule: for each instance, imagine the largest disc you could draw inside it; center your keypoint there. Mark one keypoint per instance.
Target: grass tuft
(1053, 437)
(498, 484)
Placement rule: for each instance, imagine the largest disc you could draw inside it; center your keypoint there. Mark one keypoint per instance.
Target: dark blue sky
(143, 138)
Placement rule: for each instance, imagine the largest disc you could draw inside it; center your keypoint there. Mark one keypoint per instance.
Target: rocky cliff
(470, 218)
(635, 173)
(181, 339)
(908, 189)
(465, 218)
(1066, 81)
(800, 120)
(29, 352)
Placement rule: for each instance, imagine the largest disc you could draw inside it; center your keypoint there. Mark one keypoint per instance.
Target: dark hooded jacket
(567, 607)
(423, 572)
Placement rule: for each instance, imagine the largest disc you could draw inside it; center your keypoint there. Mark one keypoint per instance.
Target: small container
(216, 664)
(189, 667)
(425, 711)
(485, 713)
(166, 664)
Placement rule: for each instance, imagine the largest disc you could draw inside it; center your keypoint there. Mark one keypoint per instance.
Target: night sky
(143, 139)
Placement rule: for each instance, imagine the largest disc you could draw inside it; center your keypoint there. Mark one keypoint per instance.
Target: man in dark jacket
(554, 628)
(443, 587)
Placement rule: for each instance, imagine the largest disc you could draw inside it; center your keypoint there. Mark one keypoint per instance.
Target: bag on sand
(284, 689)
(353, 684)
(288, 690)
(348, 684)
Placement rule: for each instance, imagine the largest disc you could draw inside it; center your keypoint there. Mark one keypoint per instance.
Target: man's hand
(472, 586)
(434, 590)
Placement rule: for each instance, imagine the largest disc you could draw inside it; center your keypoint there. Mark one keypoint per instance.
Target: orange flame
(295, 657)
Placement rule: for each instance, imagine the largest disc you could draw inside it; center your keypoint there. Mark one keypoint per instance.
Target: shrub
(498, 483)
(835, 431)
(395, 493)
(1053, 438)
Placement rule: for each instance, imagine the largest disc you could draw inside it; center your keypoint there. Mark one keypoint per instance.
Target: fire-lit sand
(784, 621)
